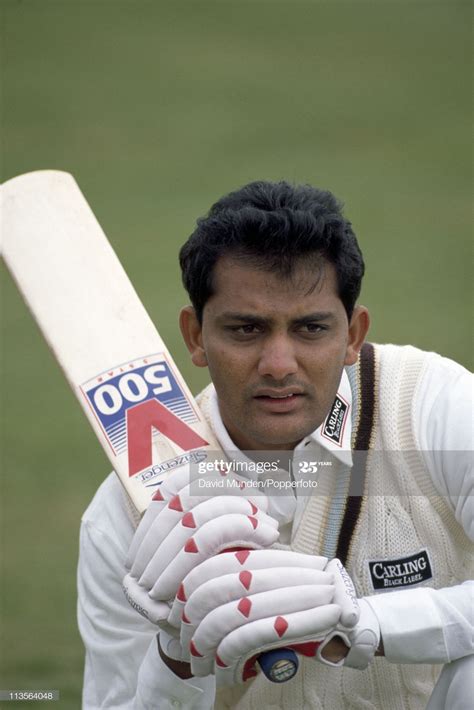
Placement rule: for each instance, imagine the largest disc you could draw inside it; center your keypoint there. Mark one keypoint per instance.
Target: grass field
(158, 108)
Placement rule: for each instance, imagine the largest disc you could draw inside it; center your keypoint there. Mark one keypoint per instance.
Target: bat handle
(279, 665)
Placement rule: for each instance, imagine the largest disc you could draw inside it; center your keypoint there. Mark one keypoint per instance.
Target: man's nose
(277, 358)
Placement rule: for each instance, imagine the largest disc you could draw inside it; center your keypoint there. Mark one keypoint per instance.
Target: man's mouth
(279, 394)
(279, 401)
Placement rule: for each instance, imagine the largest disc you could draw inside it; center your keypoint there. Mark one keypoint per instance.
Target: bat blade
(99, 332)
(131, 391)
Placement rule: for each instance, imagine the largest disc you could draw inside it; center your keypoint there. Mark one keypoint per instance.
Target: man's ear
(358, 327)
(192, 333)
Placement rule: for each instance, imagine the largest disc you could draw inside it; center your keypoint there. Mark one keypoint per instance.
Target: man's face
(275, 348)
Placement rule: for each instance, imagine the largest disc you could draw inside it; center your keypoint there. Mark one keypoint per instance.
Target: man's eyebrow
(243, 317)
(315, 317)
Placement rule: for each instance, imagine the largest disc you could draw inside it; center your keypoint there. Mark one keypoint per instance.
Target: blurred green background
(158, 108)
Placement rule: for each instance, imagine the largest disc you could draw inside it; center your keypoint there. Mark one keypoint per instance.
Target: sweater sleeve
(427, 625)
(444, 424)
(123, 668)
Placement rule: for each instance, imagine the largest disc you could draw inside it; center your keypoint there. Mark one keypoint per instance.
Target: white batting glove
(362, 639)
(179, 483)
(182, 531)
(171, 646)
(237, 605)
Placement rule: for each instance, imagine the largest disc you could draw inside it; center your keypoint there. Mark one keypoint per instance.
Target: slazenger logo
(194, 457)
(404, 572)
(333, 428)
(134, 604)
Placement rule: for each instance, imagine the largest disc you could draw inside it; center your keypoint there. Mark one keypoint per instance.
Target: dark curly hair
(273, 225)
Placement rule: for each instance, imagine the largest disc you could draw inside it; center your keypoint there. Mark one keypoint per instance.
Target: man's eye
(312, 328)
(246, 329)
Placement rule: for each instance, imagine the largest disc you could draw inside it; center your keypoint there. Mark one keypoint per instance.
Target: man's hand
(181, 530)
(355, 647)
(237, 605)
(179, 483)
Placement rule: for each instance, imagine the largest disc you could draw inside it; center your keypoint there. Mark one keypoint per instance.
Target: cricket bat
(119, 368)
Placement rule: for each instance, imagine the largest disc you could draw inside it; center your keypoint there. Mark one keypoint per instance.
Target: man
(381, 432)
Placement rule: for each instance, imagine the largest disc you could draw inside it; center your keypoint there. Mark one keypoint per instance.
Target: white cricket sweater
(422, 406)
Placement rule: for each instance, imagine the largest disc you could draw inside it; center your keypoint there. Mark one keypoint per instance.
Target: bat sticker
(135, 397)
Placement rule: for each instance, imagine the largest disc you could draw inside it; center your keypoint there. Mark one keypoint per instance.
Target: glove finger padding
(250, 640)
(138, 597)
(272, 604)
(231, 587)
(176, 496)
(243, 564)
(346, 595)
(246, 602)
(213, 537)
(167, 490)
(149, 516)
(174, 526)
